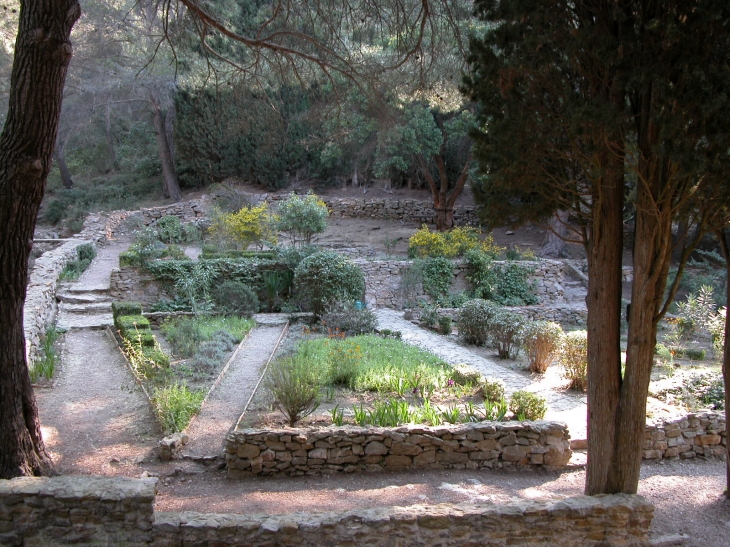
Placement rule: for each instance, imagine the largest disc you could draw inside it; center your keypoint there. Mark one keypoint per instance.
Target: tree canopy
(614, 111)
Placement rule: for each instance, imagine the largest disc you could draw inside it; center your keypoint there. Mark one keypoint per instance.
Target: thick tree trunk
(444, 198)
(553, 246)
(60, 158)
(42, 54)
(169, 175)
(726, 353)
(604, 249)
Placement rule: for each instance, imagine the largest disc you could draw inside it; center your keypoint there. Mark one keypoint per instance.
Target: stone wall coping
(82, 487)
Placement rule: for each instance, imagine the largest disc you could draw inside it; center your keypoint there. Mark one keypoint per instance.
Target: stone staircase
(84, 307)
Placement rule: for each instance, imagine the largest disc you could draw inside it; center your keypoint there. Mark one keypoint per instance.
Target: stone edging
(349, 449)
(88, 510)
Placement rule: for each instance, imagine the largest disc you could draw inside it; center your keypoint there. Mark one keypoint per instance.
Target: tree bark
(726, 352)
(553, 246)
(443, 198)
(604, 249)
(169, 175)
(60, 158)
(42, 54)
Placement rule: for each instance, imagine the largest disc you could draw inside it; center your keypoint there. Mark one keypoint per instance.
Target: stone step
(82, 298)
(89, 321)
(96, 307)
(84, 289)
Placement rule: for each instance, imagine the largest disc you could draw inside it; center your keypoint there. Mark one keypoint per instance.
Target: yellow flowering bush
(250, 225)
(453, 243)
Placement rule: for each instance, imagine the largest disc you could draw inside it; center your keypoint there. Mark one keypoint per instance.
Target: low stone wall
(79, 510)
(92, 511)
(703, 434)
(352, 449)
(411, 210)
(383, 281)
(186, 211)
(40, 307)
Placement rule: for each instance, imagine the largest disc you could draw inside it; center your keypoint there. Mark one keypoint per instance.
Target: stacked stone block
(352, 449)
(702, 434)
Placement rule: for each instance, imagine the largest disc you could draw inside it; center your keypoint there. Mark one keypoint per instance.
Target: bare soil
(90, 433)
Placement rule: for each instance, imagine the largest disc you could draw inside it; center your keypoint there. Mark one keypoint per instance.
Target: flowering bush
(455, 242)
(250, 225)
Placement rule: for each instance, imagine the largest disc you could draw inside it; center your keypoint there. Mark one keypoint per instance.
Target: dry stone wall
(383, 281)
(702, 434)
(91, 511)
(132, 284)
(40, 300)
(352, 449)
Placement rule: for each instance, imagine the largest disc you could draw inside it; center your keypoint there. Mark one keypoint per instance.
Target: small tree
(301, 218)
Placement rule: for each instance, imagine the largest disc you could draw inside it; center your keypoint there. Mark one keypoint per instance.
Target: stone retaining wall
(92, 511)
(411, 210)
(352, 449)
(134, 285)
(383, 281)
(40, 307)
(702, 434)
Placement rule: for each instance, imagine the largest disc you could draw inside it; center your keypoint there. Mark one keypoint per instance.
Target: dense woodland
(613, 115)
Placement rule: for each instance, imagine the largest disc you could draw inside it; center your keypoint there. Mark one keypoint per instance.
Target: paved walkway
(228, 399)
(563, 405)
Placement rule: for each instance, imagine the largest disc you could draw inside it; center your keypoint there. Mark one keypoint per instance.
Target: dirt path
(95, 420)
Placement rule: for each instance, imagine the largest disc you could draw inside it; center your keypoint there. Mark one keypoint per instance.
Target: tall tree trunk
(726, 352)
(443, 198)
(42, 54)
(110, 138)
(604, 249)
(169, 175)
(553, 245)
(60, 158)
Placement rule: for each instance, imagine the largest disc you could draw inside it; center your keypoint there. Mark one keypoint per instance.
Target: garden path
(228, 399)
(563, 406)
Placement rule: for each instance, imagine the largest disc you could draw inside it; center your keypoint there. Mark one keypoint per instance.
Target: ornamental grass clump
(542, 341)
(294, 385)
(574, 358)
(175, 405)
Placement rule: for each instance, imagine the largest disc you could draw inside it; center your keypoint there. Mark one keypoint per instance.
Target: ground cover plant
(380, 380)
(85, 253)
(177, 388)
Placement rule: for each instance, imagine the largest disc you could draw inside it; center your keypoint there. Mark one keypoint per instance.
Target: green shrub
(128, 258)
(211, 353)
(465, 375)
(506, 330)
(175, 405)
(170, 230)
(86, 252)
(695, 354)
(527, 406)
(513, 287)
(574, 358)
(491, 389)
(438, 273)
(129, 325)
(445, 324)
(327, 277)
(184, 335)
(343, 360)
(429, 316)
(344, 317)
(480, 273)
(294, 385)
(121, 308)
(301, 218)
(474, 319)
(542, 341)
(236, 298)
(55, 211)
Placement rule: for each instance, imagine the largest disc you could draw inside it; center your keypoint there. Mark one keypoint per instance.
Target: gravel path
(227, 400)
